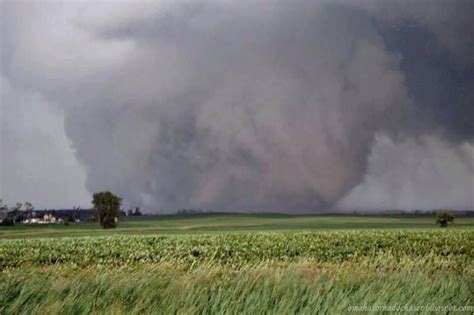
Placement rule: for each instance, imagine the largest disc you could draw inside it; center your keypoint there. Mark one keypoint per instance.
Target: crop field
(245, 264)
(231, 223)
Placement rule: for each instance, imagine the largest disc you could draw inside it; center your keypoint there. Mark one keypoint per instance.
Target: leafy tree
(106, 208)
(18, 206)
(443, 217)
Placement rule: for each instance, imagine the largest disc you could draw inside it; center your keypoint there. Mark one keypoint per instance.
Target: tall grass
(215, 289)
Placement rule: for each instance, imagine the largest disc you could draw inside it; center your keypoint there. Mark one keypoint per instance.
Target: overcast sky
(296, 106)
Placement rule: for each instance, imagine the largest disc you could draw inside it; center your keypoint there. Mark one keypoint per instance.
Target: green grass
(264, 288)
(225, 223)
(238, 264)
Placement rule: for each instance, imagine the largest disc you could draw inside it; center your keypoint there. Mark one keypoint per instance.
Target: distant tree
(29, 209)
(76, 210)
(16, 214)
(443, 217)
(133, 211)
(29, 206)
(106, 208)
(8, 221)
(137, 211)
(3, 206)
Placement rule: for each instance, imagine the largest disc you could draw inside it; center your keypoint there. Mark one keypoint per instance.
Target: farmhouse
(46, 219)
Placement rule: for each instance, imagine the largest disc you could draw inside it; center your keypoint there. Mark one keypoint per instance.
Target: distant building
(46, 219)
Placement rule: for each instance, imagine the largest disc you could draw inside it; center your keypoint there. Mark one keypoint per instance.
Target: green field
(234, 264)
(225, 223)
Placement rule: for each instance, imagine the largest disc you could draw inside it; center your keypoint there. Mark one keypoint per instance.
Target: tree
(443, 217)
(133, 211)
(5, 219)
(76, 212)
(106, 208)
(29, 209)
(16, 214)
(3, 206)
(29, 206)
(137, 211)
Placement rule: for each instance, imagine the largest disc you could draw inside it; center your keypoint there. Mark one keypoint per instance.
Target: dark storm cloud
(274, 106)
(441, 85)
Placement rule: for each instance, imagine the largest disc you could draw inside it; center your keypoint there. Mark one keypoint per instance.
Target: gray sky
(296, 106)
